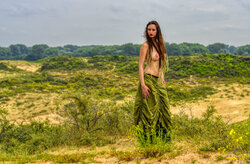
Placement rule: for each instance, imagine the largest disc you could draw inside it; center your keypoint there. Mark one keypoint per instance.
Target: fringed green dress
(153, 113)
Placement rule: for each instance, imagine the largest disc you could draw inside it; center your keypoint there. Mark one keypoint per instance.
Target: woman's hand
(163, 81)
(145, 91)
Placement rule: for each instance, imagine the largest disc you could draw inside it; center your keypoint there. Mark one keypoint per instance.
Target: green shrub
(3, 66)
(220, 65)
(28, 139)
(178, 93)
(63, 63)
(209, 132)
(84, 119)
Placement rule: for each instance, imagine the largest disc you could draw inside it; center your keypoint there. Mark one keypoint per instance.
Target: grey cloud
(24, 10)
(58, 22)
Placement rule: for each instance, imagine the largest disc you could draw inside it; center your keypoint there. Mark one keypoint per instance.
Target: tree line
(39, 51)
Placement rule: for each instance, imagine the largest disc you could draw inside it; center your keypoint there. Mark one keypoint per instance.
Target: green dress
(153, 113)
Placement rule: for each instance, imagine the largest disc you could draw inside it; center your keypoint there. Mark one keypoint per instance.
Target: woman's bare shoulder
(144, 45)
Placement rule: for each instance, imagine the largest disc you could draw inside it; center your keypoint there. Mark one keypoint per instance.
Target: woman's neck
(154, 40)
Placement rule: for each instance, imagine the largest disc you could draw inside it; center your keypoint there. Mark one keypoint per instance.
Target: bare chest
(155, 55)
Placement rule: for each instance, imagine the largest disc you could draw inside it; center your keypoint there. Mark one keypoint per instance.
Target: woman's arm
(162, 75)
(163, 79)
(142, 57)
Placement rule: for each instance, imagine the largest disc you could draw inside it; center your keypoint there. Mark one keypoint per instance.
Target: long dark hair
(160, 46)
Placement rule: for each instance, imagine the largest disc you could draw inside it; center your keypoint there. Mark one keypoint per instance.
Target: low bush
(181, 93)
(63, 63)
(220, 65)
(28, 138)
(3, 66)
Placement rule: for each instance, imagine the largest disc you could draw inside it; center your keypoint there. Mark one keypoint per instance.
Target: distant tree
(128, 49)
(51, 51)
(173, 49)
(197, 48)
(243, 50)
(4, 52)
(217, 48)
(185, 50)
(232, 49)
(37, 52)
(137, 49)
(44, 46)
(23, 48)
(14, 50)
(70, 48)
(18, 49)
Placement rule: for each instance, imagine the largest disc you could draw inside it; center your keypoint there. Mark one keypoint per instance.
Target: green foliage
(3, 66)
(243, 50)
(185, 49)
(240, 136)
(70, 48)
(85, 115)
(51, 52)
(209, 132)
(121, 64)
(4, 53)
(85, 119)
(18, 49)
(220, 65)
(85, 80)
(63, 63)
(72, 158)
(239, 142)
(217, 48)
(6, 67)
(124, 74)
(156, 150)
(45, 157)
(120, 119)
(40, 51)
(31, 82)
(27, 139)
(128, 49)
(37, 52)
(131, 67)
(153, 142)
(90, 121)
(81, 114)
(177, 92)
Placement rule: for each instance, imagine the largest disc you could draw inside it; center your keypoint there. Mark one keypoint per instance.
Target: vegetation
(117, 67)
(208, 133)
(62, 63)
(96, 107)
(220, 65)
(40, 51)
(3, 66)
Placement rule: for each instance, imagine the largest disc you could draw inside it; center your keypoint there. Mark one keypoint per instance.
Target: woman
(151, 110)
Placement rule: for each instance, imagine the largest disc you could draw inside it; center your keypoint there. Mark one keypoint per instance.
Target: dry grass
(32, 106)
(233, 108)
(184, 152)
(22, 64)
(231, 102)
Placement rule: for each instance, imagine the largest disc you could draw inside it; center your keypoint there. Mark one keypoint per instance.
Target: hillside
(40, 91)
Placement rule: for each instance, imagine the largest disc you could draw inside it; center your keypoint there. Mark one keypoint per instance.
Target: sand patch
(232, 102)
(32, 106)
(24, 65)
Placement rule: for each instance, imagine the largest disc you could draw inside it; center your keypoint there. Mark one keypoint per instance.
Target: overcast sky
(109, 22)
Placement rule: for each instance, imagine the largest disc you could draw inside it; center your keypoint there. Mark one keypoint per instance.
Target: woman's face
(151, 30)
